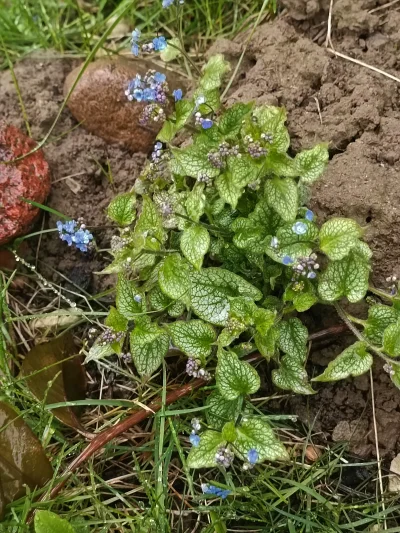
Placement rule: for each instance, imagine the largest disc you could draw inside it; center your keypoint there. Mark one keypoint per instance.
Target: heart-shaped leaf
(235, 377)
(203, 455)
(258, 435)
(46, 364)
(353, 361)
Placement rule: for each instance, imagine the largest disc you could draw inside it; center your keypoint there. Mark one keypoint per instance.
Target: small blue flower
(159, 78)
(137, 298)
(300, 228)
(135, 49)
(194, 440)
(136, 34)
(252, 456)
(311, 275)
(159, 43)
(138, 95)
(309, 215)
(212, 489)
(167, 3)
(158, 146)
(287, 260)
(206, 123)
(149, 95)
(177, 94)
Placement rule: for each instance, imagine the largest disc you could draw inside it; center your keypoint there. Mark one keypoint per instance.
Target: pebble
(28, 178)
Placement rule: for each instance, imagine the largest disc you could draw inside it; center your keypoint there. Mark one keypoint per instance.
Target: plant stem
(347, 319)
(380, 293)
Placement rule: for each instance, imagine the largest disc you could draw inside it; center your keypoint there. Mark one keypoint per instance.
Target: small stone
(28, 178)
(394, 477)
(100, 103)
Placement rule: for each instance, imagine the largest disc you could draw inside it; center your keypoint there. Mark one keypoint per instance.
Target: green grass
(74, 26)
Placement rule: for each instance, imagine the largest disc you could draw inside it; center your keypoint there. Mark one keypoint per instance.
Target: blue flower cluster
(151, 88)
(212, 489)
(158, 44)
(74, 233)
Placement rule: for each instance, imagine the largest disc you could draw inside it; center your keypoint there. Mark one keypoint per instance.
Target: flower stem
(380, 293)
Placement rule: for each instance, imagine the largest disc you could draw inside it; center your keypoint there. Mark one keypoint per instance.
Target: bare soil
(328, 99)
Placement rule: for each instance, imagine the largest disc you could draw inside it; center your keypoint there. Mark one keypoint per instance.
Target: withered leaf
(22, 458)
(54, 380)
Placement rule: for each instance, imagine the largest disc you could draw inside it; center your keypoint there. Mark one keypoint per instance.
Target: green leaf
(149, 345)
(158, 300)
(150, 222)
(379, 318)
(196, 201)
(48, 522)
(266, 343)
(116, 321)
(203, 455)
(174, 278)
(220, 411)
(353, 361)
(272, 120)
(230, 123)
(212, 289)
(172, 51)
(282, 195)
(122, 209)
(195, 242)
(235, 377)
(310, 164)
(229, 432)
(23, 461)
(391, 339)
(293, 337)
(176, 309)
(280, 164)
(183, 112)
(192, 161)
(291, 376)
(263, 320)
(258, 434)
(239, 173)
(167, 132)
(194, 337)
(338, 236)
(303, 301)
(130, 302)
(213, 72)
(54, 375)
(348, 277)
(99, 351)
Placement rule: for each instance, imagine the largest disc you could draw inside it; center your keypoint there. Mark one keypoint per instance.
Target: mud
(328, 99)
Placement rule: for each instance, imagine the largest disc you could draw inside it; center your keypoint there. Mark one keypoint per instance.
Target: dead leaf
(53, 380)
(22, 458)
(61, 318)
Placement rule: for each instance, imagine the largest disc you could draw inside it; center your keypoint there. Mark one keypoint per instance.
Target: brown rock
(27, 178)
(99, 101)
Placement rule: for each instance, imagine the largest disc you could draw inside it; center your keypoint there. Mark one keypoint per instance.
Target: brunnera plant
(218, 256)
